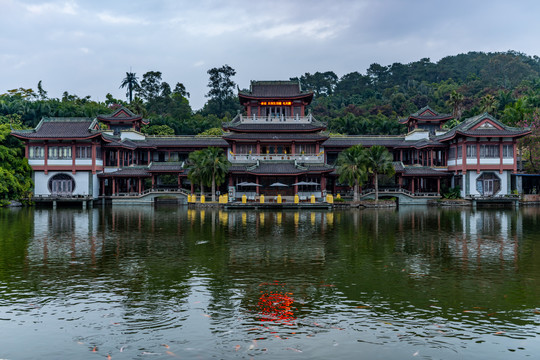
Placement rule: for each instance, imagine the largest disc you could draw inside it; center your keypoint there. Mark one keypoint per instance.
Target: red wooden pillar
(500, 157)
(94, 154)
(140, 185)
(148, 161)
(296, 186)
(73, 157)
(438, 185)
(413, 181)
(257, 187)
(46, 159)
(477, 157)
(323, 184)
(113, 186)
(515, 154)
(463, 156)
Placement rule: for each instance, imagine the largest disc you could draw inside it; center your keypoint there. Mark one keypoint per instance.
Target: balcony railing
(300, 158)
(275, 119)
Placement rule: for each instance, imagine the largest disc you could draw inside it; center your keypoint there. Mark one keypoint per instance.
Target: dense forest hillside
(505, 84)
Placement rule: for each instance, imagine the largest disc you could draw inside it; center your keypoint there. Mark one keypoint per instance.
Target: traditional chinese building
(275, 147)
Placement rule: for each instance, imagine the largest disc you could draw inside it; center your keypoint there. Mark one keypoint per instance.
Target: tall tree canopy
(221, 93)
(131, 82)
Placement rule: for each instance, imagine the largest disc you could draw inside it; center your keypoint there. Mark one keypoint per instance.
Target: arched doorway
(61, 184)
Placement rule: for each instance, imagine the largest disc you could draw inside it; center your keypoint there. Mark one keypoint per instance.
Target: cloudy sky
(86, 47)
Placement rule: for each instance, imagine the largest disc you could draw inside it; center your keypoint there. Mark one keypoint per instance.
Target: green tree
(351, 168)
(216, 131)
(150, 86)
(217, 166)
(157, 130)
(455, 101)
(208, 167)
(197, 173)
(221, 87)
(131, 82)
(530, 145)
(42, 93)
(15, 173)
(488, 104)
(378, 161)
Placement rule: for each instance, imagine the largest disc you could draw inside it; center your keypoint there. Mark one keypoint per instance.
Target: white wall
(82, 182)
(473, 176)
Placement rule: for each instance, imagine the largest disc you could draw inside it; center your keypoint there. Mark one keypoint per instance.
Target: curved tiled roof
(121, 114)
(279, 168)
(166, 167)
(424, 171)
(498, 129)
(60, 128)
(275, 89)
(128, 171)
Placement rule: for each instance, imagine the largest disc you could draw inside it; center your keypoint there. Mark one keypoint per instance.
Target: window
(59, 152)
(471, 151)
(508, 151)
(305, 149)
(36, 152)
(452, 153)
(489, 151)
(488, 184)
(459, 150)
(246, 149)
(84, 152)
(61, 184)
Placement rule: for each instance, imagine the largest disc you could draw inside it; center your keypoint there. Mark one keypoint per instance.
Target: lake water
(172, 282)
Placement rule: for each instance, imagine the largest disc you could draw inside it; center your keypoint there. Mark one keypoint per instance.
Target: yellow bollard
(338, 196)
(244, 199)
(330, 199)
(225, 198)
(202, 199)
(189, 198)
(261, 199)
(312, 199)
(296, 199)
(279, 199)
(193, 198)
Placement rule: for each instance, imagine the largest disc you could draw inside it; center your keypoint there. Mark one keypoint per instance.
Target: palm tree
(456, 102)
(379, 162)
(208, 167)
(217, 165)
(488, 104)
(197, 173)
(351, 167)
(132, 83)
